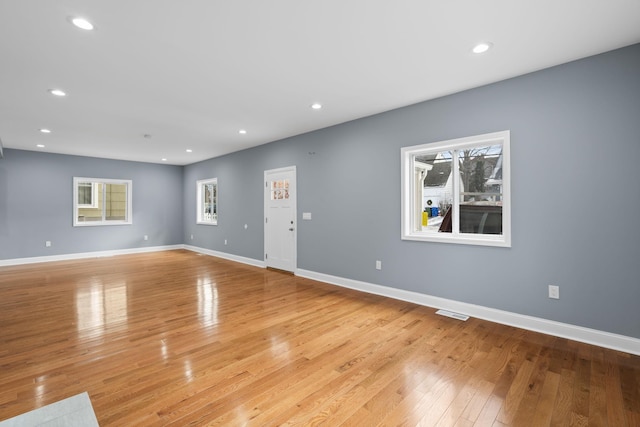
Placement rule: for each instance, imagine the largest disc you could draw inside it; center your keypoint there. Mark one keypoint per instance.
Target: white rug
(75, 411)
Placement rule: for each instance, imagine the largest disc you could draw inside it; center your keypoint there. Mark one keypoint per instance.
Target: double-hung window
(207, 201)
(458, 191)
(99, 201)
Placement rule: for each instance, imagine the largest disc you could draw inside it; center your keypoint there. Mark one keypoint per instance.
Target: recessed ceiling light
(316, 106)
(57, 92)
(40, 145)
(82, 23)
(45, 131)
(482, 47)
(164, 160)
(189, 150)
(242, 132)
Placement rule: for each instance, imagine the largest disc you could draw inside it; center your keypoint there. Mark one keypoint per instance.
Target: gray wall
(575, 142)
(36, 205)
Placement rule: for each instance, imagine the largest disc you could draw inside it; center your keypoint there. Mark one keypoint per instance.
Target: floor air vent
(452, 314)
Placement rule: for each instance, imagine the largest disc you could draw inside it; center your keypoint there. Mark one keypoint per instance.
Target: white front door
(280, 218)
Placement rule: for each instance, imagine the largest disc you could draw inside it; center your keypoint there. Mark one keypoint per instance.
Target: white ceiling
(191, 73)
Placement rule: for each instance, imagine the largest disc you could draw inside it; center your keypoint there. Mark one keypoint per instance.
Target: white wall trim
(224, 255)
(549, 327)
(97, 254)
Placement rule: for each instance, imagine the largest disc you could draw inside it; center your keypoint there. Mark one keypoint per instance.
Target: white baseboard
(224, 255)
(84, 255)
(549, 327)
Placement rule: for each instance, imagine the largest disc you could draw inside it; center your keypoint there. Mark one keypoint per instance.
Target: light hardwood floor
(177, 338)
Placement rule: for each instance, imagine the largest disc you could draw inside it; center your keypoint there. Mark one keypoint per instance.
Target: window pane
(91, 214)
(116, 202)
(85, 193)
(434, 189)
(279, 189)
(209, 206)
(480, 186)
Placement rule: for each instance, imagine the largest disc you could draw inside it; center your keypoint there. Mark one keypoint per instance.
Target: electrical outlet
(225, 241)
(146, 237)
(47, 243)
(378, 265)
(554, 292)
(192, 237)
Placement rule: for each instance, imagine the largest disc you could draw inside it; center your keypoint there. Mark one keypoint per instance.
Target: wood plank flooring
(175, 339)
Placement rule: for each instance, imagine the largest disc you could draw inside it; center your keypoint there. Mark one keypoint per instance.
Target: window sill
(461, 239)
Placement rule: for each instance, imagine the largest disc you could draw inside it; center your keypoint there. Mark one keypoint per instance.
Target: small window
(207, 208)
(279, 189)
(458, 191)
(99, 201)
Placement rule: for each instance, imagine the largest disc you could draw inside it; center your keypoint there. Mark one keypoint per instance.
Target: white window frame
(408, 189)
(199, 201)
(94, 184)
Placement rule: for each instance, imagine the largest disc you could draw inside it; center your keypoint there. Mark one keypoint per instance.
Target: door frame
(265, 196)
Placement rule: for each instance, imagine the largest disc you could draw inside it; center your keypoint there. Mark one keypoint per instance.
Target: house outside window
(207, 201)
(98, 201)
(458, 191)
